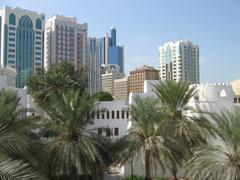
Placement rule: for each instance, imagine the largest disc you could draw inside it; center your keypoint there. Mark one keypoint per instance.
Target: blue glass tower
(115, 56)
(113, 36)
(25, 50)
(110, 52)
(22, 39)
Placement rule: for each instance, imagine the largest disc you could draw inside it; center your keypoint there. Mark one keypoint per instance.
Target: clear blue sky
(143, 25)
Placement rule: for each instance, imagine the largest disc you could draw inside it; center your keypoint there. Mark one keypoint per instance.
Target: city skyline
(143, 26)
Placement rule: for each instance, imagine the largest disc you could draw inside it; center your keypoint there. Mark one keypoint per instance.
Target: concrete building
(108, 79)
(236, 88)
(108, 68)
(7, 77)
(110, 52)
(65, 39)
(121, 89)
(21, 41)
(179, 60)
(138, 76)
(112, 115)
(94, 65)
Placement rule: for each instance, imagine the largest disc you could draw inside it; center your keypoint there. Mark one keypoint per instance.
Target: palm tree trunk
(174, 172)
(147, 166)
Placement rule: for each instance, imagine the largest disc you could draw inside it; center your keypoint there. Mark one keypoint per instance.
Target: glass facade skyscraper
(115, 56)
(110, 52)
(22, 34)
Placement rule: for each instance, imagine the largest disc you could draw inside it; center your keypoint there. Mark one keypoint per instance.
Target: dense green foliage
(104, 96)
(59, 78)
(16, 160)
(219, 160)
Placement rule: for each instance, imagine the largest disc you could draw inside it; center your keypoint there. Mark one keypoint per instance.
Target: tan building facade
(138, 76)
(236, 88)
(107, 83)
(121, 89)
(65, 40)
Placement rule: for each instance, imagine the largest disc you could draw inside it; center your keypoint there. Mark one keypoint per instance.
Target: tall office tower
(110, 52)
(138, 76)
(108, 79)
(121, 89)
(21, 37)
(179, 60)
(94, 65)
(113, 36)
(65, 39)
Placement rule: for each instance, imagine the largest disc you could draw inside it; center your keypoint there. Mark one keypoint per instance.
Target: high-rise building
(108, 79)
(110, 52)
(65, 39)
(179, 60)
(21, 41)
(94, 65)
(107, 68)
(121, 89)
(138, 76)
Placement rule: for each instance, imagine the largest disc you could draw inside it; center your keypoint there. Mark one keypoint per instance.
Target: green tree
(73, 148)
(58, 78)
(147, 137)
(220, 159)
(104, 96)
(192, 129)
(16, 160)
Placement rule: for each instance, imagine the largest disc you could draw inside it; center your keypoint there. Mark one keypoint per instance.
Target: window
(108, 114)
(123, 114)
(37, 64)
(38, 53)
(12, 33)
(113, 115)
(11, 45)
(11, 50)
(11, 56)
(38, 32)
(11, 61)
(103, 115)
(116, 131)
(11, 39)
(38, 24)
(127, 114)
(117, 114)
(38, 37)
(235, 100)
(11, 28)
(38, 48)
(12, 19)
(98, 115)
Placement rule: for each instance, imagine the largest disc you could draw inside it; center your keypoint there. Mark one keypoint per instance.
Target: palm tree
(14, 144)
(74, 149)
(192, 129)
(59, 78)
(147, 138)
(220, 159)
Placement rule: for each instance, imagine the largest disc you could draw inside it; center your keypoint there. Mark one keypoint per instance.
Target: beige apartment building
(108, 81)
(138, 76)
(65, 39)
(121, 89)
